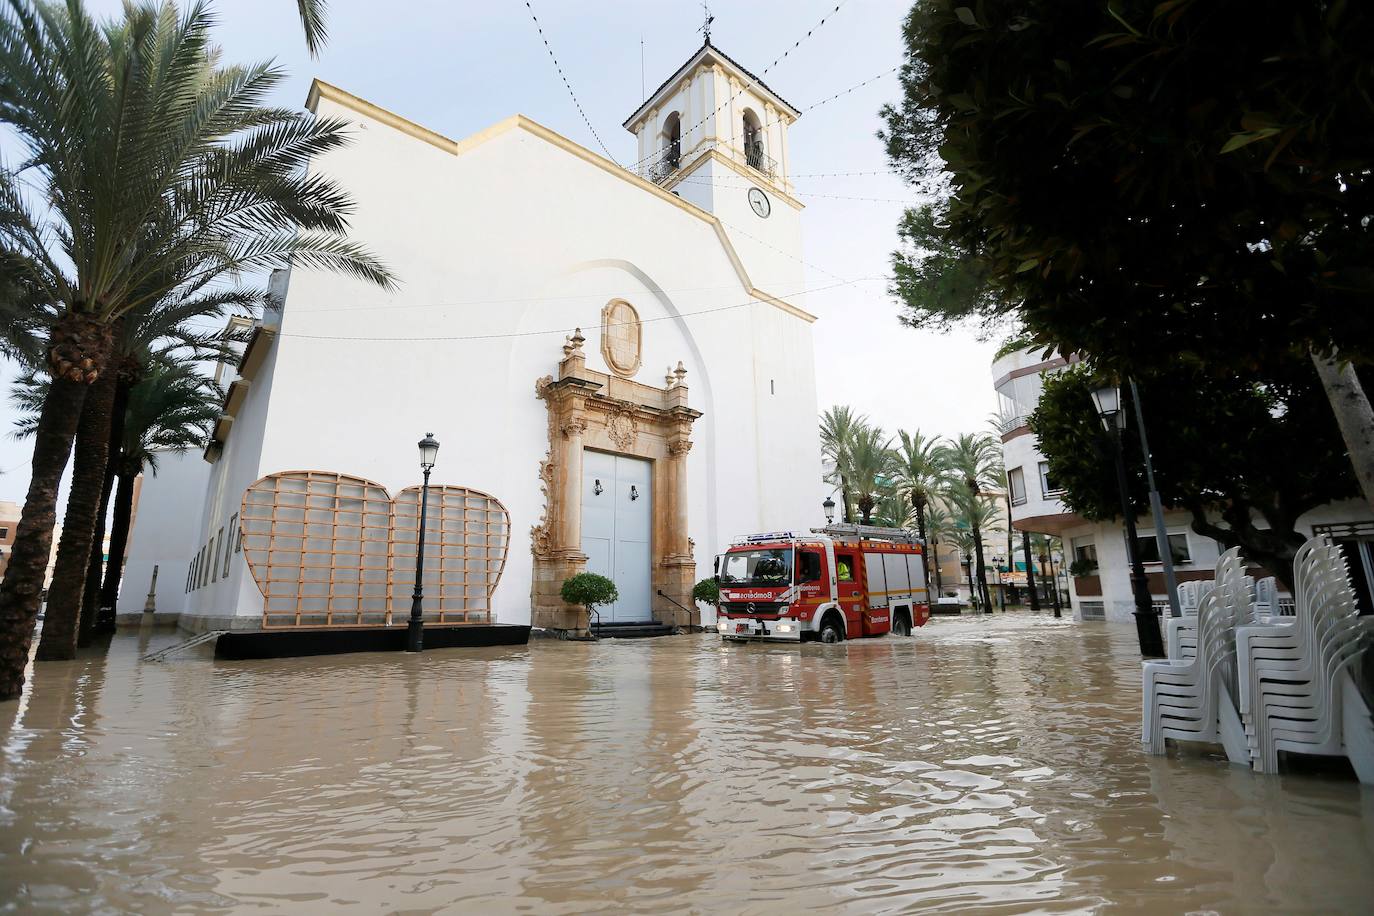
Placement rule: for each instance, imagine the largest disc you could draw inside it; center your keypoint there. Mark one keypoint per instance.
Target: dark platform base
(631, 630)
(294, 643)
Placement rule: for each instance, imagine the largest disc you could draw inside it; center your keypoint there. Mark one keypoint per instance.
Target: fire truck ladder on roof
(870, 532)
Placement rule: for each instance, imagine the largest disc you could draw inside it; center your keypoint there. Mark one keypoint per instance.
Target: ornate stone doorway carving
(594, 410)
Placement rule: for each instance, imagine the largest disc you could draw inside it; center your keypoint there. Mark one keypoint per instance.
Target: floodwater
(986, 765)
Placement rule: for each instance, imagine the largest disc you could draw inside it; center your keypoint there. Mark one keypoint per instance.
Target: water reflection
(987, 764)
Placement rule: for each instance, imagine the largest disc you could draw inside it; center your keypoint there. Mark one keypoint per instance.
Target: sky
(458, 66)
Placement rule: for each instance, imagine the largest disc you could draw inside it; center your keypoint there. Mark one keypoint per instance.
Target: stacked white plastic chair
(1296, 692)
(1189, 699)
(1181, 631)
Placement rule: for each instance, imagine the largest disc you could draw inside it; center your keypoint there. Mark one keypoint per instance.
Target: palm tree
(974, 461)
(975, 513)
(870, 463)
(939, 527)
(838, 427)
(312, 20)
(157, 169)
(962, 541)
(171, 409)
(920, 473)
(1043, 545)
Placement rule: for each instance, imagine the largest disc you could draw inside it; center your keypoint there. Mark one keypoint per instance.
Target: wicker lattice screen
(330, 549)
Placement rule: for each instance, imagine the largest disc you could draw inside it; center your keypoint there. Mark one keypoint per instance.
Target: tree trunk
(920, 507)
(844, 495)
(60, 623)
(1054, 582)
(95, 568)
(119, 536)
(129, 375)
(1353, 414)
(1031, 585)
(985, 596)
(21, 592)
(95, 563)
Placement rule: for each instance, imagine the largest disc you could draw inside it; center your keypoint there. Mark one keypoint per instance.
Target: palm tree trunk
(92, 452)
(21, 592)
(95, 564)
(982, 570)
(939, 585)
(1031, 585)
(1354, 416)
(844, 495)
(119, 536)
(921, 533)
(96, 598)
(1054, 582)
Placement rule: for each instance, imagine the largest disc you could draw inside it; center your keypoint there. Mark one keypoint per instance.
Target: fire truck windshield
(758, 567)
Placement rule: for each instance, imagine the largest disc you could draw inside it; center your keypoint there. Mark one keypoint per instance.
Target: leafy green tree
(839, 425)
(1148, 183)
(590, 591)
(156, 168)
(1226, 455)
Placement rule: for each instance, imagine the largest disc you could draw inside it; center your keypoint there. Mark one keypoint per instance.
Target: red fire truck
(836, 583)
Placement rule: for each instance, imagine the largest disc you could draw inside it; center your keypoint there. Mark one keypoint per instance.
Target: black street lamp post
(415, 632)
(829, 507)
(1107, 400)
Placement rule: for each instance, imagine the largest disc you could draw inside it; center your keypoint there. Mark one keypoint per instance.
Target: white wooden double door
(617, 525)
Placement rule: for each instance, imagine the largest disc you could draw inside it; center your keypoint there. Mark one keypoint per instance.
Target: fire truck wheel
(831, 632)
(901, 624)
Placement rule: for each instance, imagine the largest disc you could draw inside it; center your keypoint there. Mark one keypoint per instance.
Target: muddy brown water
(986, 765)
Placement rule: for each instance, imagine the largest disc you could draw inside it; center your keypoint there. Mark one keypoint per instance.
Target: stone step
(644, 630)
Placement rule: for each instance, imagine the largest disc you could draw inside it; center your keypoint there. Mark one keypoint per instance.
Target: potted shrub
(589, 590)
(707, 591)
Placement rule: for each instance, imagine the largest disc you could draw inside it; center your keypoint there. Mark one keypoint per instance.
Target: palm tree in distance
(838, 427)
(975, 514)
(170, 410)
(870, 464)
(975, 462)
(920, 473)
(148, 167)
(939, 527)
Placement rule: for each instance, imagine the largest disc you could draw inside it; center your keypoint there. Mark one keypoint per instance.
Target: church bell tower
(715, 135)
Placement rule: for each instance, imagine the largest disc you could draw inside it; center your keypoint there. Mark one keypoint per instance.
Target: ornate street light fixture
(829, 507)
(1107, 401)
(415, 632)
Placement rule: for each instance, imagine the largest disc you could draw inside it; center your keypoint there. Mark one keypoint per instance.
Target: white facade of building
(165, 533)
(1106, 594)
(502, 244)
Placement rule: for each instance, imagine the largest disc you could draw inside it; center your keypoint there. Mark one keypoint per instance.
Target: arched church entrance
(615, 485)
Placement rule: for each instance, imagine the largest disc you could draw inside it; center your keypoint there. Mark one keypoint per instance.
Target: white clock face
(759, 201)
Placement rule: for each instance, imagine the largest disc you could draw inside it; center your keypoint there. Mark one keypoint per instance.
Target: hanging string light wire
(564, 77)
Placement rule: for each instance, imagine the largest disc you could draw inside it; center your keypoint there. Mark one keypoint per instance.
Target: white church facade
(612, 359)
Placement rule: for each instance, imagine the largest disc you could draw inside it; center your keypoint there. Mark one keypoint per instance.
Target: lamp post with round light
(829, 507)
(415, 632)
(1107, 401)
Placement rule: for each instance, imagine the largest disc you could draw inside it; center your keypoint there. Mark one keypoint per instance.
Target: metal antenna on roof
(705, 29)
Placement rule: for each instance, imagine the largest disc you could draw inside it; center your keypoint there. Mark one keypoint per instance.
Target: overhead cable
(563, 76)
